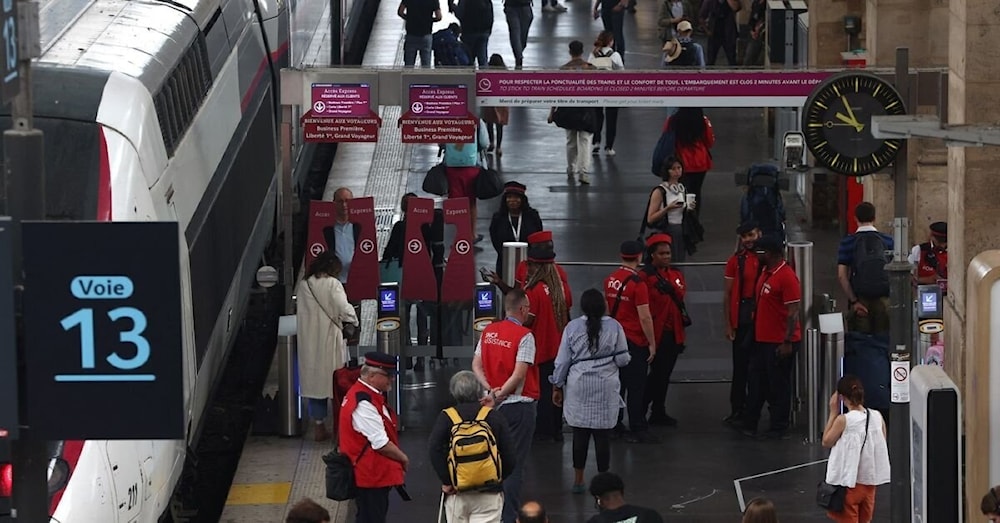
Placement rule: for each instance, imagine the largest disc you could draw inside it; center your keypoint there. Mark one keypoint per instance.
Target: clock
(837, 122)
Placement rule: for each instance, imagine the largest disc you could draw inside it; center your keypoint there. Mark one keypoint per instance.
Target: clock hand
(850, 112)
(853, 122)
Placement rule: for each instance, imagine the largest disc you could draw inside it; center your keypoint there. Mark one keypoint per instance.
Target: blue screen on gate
(484, 300)
(388, 301)
(928, 302)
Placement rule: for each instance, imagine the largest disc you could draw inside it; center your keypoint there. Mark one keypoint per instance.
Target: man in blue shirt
(862, 274)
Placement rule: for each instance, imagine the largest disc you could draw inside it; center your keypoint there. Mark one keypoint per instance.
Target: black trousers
(633, 378)
(741, 366)
(692, 183)
(660, 370)
(373, 504)
(724, 38)
(602, 444)
(548, 421)
(606, 117)
(770, 380)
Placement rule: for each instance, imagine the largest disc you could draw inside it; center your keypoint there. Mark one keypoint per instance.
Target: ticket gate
(388, 330)
(929, 336)
(485, 309)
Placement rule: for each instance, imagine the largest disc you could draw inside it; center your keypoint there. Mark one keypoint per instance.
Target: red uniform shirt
(521, 276)
(664, 310)
(775, 291)
(634, 294)
(743, 288)
(547, 333)
(498, 349)
(933, 262)
(372, 470)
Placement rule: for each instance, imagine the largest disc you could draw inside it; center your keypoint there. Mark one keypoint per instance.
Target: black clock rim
(837, 77)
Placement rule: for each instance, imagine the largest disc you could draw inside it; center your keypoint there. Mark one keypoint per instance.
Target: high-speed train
(166, 111)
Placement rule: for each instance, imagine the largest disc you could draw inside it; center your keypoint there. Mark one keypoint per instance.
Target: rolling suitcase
(867, 357)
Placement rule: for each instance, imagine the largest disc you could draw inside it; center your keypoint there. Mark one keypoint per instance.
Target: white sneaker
(584, 179)
(609, 151)
(559, 7)
(548, 9)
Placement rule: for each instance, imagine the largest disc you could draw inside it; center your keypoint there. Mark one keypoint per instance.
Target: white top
(366, 420)
(914, 256)
(850, 464)
(609, 59)
(675, 193)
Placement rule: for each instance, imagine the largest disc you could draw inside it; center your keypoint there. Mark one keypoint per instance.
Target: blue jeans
(518, 22)
(477, 46)
(318, 408)
(413, 44)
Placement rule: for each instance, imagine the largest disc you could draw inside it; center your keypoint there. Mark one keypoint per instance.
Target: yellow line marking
(259, 494)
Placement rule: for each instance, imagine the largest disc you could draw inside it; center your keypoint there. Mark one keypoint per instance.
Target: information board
(102, 309)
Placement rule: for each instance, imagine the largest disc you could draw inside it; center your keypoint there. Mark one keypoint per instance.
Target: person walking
(859, 455)
(369, 437)
(495, 117)
(419, 16)
(476, 19)
(579, 123)
(606, 58)
(519, 16)
(504, 363)
(612, 15)
(586, 384)
(461, 162)
(322, 312)
(694, 141)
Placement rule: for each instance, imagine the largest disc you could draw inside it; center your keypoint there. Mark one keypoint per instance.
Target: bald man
(532, 512)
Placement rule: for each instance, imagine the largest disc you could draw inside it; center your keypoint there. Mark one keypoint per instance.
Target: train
(168, 111)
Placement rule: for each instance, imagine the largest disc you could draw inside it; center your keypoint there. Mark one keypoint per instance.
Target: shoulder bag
(436, 180)
(340, 485)
(667, 288)
(831, 497)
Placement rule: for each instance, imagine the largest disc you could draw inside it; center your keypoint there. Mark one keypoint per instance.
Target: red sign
(362, 277)
(459, 281)
(420, 282)
(341, 100)
(439, 130)
(321, 215)
(332, 129)
(438, 101)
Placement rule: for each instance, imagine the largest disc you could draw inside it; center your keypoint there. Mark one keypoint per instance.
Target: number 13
(85, 319)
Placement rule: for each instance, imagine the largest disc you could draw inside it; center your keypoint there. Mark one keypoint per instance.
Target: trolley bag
(867, 357)
(343, 379)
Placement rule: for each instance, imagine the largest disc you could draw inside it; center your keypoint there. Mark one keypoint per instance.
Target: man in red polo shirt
(777, 335)
(741, 273)
(628, 302)
(368, 436)
(504, 363)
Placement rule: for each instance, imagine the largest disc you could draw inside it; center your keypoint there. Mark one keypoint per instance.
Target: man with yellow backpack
(472, 452)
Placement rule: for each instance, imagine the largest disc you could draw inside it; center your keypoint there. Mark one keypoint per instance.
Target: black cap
(631, 249)
(541, 254)
(746, 227)
(768, 243)
(940, 229)
(381, 360)
(513, 187)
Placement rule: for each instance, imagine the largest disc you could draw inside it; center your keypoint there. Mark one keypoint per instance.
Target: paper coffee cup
(690, 200)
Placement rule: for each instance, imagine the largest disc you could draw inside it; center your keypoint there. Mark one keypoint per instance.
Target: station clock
(837, 121)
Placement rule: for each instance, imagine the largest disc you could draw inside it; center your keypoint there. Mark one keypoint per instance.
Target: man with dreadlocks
(549, 298)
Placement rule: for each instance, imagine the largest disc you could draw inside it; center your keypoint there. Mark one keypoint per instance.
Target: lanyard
(517, 230)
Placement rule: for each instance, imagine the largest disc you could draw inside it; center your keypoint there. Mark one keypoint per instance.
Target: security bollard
(814, 403)
(288, 393)
(800, 258)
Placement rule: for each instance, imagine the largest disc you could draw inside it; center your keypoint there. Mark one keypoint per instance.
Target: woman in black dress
(514, 221)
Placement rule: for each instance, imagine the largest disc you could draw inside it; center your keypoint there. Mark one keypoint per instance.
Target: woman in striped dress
(585, 381)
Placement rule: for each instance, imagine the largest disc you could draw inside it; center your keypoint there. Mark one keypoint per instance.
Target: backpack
(603, 61)
(665, 148)
(869, 278)
(762, 201)
(448, 50)
(473, 459)
(687, 58)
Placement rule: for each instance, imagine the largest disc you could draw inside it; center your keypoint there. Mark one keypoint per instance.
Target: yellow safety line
(259, 494)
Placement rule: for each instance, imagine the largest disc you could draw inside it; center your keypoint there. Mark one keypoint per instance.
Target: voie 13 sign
(102, 309)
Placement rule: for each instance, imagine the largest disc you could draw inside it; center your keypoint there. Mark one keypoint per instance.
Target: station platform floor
(701, 471)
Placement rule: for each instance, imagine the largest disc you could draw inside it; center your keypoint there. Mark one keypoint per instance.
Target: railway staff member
(368, 436)
(777, 334)
(504, 363)
(628, 302)
(537, 240)
(931, 257)
(666, 305)
(741, 273)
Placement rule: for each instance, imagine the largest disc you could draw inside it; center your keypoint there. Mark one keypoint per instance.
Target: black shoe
(663, 420)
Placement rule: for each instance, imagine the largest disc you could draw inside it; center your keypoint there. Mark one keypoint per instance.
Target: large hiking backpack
(762, 201)
(473, 458)
(666, 147)
(869, 278)
(448, 50)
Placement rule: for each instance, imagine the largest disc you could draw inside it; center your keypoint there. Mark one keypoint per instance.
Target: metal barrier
(288, 393)
(800, 258)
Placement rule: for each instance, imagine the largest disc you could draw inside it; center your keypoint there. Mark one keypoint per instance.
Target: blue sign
(928, 302)
(8, 339)
(102, 310)
(484, 300)
(388, 301)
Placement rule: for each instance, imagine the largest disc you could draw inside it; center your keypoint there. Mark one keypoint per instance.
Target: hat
(381, 360)
(630, 249)
(746, 227)
(540, 237)
(684, 26)
(940, 230)
(672, 48)
(658, 238)
(541, 254)
(514, 188)
(770, 244)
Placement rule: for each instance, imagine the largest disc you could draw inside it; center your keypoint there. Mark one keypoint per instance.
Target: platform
(701, 470)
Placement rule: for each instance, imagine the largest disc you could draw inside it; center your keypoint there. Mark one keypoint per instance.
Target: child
(495, 116)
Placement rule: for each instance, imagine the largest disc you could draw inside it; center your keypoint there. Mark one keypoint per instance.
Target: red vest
(373, 470)
(933, 262)
(498, 350)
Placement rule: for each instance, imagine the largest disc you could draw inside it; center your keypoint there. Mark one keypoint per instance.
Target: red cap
(658, 238)
(540, 236)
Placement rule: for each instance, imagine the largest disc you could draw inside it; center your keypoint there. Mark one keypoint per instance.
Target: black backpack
(869, 278)
(687, 58)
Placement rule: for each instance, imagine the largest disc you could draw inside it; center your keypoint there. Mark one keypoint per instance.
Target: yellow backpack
(473, 459)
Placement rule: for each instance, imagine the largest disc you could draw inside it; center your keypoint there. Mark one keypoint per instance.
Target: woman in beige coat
(323, 310)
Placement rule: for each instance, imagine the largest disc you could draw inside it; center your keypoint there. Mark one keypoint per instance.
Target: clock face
(837, 120)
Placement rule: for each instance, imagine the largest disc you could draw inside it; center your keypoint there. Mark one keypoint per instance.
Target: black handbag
(340, 485)
(832, 497)
(436, 180)
(488, 184)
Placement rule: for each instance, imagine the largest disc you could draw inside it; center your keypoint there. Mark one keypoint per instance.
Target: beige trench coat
(322, 310)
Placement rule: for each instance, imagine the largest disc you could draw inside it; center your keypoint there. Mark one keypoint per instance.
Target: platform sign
(102, 308)
(341, 99)
(341, 112)
(439, 130)
(436, 108)
(334, 129)
(438, 101)
(8, 339)
(10, 83)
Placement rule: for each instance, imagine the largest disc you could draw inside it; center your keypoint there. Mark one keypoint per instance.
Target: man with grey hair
(484, 505)
(340, 236)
